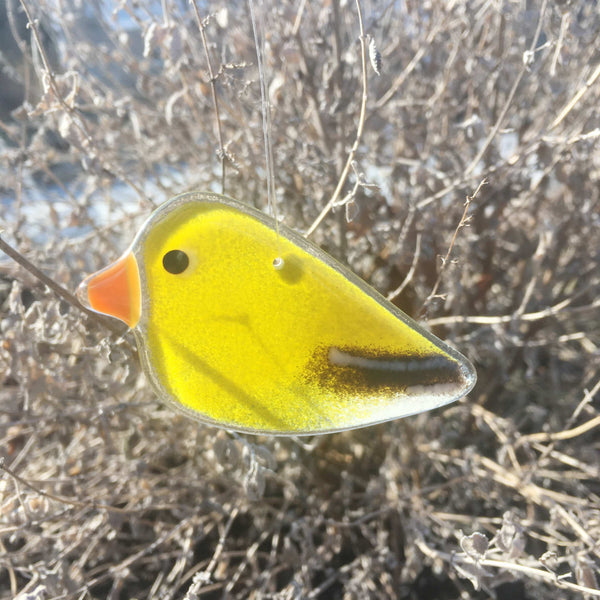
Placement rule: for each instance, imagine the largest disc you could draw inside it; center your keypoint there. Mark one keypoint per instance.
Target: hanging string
(259, 42)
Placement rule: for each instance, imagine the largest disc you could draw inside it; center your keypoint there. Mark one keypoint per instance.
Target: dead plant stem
(58, 289)
(359, 131)
(213, 88)
(511, 95)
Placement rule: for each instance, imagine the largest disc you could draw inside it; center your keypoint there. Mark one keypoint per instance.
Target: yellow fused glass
(254, 331)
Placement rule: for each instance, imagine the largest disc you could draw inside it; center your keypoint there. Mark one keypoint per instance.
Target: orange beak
(114, 291)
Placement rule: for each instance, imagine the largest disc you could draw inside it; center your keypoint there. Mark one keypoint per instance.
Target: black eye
(175, 261)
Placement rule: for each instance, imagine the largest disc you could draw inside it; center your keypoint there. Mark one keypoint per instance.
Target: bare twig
(565, 434)
(536, 573)
(564, 25)
(213, 87)
(203, 577)
(410, 67)
(74, 116)
(61, 499)
(524, 68)
(576, 98)
(359, 130)
(559, 309)
(463, 221)
(57, 288)
(395, 293)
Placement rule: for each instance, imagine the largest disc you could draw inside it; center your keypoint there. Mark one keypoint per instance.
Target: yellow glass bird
(247, 329)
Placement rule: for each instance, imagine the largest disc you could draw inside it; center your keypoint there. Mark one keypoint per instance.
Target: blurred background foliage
(106, 494)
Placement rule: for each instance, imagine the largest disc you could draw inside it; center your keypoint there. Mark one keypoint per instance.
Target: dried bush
(106, 494)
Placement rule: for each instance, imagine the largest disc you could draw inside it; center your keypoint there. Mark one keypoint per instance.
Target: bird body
(253, 328)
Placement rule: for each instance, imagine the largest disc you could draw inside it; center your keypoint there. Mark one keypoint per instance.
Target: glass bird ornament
(256, 330)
